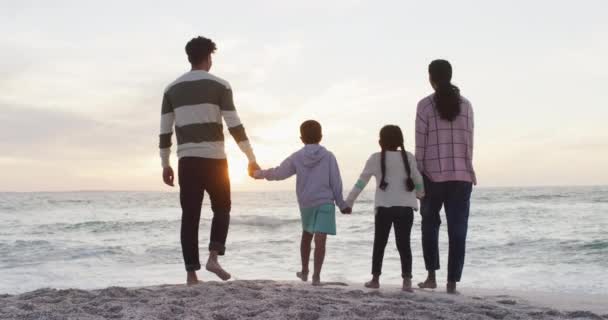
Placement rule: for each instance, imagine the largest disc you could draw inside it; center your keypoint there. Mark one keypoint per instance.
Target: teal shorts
(321, 219)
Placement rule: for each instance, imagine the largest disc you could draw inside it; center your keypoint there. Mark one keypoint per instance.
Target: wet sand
(263, 299)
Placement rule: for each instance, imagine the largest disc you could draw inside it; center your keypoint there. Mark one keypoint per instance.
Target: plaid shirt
(444, 149)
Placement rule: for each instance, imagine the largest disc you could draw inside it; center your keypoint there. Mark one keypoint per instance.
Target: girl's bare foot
(373, 284)
(316, 280)
(303, 275)
(215, 267)
(192, 279)
(451, 288)
(407, 285)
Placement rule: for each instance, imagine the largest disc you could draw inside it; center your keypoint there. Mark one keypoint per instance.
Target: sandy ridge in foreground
(262, 299)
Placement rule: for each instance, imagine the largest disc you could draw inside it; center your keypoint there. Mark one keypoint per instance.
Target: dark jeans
(197, 175)
(455, 197)
(402, 218)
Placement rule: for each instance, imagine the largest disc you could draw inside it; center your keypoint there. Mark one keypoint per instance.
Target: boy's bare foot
(192, 279)
(302, 275)
(215, 267)
(316, 280)
(451, 288)
(407, 285)
(373, 284)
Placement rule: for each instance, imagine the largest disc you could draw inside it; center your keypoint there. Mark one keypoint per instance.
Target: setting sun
(237, 169)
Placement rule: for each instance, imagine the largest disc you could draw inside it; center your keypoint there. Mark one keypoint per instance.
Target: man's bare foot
(215, 267)
(451, 288)
(316, 280)
(192, 279)
(428, 284)
(303, 275)
(373, 284)
(407, 285)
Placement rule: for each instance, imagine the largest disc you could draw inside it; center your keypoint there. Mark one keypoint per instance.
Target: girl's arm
(367, 173)
(282, 172)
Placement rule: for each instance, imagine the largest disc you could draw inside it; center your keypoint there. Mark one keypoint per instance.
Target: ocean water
(542, 239)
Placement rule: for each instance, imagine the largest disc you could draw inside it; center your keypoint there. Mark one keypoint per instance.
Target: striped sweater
(195, 104)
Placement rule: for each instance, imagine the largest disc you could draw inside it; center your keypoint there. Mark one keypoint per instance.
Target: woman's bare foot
(303, 275)
(428, 284)
(316, 280)
(215, 267)
(407, 285)
(451, 288)
(373, 284)
(192, 279)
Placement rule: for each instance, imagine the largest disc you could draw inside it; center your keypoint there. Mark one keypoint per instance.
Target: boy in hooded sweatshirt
(318, 187)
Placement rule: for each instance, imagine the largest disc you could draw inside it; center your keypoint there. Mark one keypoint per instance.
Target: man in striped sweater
(195, 104)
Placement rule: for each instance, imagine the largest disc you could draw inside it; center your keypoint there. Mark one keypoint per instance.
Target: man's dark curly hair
(198, 49)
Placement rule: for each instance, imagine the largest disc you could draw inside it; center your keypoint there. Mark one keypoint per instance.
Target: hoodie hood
(312, 154)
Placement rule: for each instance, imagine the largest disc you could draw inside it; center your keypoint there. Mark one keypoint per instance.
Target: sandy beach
(263, 299)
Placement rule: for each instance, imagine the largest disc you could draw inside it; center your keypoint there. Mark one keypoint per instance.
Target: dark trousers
(402, 218)
(197, 175)
(455, 196)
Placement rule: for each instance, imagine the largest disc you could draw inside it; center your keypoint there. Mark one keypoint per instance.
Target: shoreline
(267, 299)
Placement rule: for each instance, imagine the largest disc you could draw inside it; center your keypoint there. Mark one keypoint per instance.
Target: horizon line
(293, 190)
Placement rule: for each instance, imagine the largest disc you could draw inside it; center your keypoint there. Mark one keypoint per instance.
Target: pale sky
(81, 84)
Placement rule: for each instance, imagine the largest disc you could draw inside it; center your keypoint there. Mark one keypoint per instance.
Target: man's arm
(167, 120)
(235, 127)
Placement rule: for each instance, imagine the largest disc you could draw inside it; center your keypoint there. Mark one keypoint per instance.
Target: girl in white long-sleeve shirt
(398, 185)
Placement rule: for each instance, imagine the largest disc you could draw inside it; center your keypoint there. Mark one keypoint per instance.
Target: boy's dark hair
(310, 131)
(391, 137)
(198, 49)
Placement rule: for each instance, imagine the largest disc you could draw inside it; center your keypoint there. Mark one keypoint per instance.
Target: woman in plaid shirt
(444, 154)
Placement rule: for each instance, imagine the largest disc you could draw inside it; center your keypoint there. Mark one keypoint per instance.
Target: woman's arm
(417, 177)
(421, 134)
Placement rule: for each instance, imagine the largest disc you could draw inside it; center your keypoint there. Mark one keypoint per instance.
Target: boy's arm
(335, 181)
(235, 127)
(282, 172)
(361, 182)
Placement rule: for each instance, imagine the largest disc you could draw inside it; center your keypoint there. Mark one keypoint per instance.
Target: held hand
(252, 168)
(347, 210)
(168, 176)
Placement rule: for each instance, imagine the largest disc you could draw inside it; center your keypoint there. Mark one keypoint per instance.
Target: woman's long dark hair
(447, 95)
(391, 138)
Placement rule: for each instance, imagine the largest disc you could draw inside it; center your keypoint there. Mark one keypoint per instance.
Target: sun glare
(237, 168)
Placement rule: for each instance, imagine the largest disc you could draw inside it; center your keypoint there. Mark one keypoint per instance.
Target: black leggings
(402, 218)
(197, 175)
